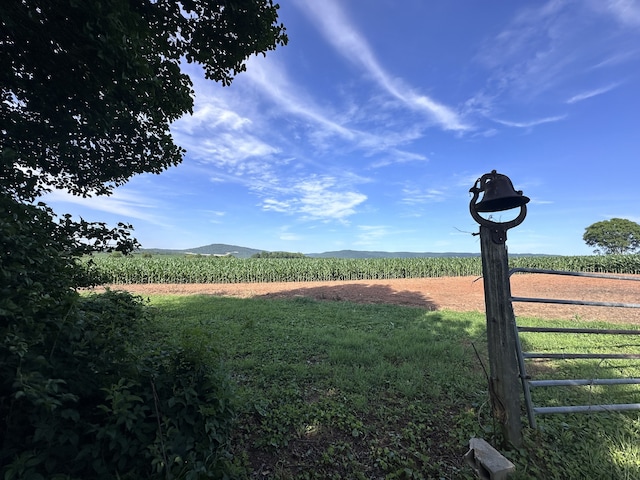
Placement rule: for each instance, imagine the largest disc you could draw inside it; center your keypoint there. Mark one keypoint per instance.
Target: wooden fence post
(504, 384)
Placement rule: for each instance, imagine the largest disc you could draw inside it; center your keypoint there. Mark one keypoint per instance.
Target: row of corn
(194, 269)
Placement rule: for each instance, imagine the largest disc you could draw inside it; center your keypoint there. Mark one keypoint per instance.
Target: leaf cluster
(94, 402)
(88, 104)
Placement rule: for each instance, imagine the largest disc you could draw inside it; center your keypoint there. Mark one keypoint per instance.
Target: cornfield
(194, 269)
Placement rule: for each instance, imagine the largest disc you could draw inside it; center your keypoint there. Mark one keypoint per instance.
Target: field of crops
(195, 269)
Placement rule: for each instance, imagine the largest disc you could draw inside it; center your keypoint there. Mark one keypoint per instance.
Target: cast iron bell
(499, 194)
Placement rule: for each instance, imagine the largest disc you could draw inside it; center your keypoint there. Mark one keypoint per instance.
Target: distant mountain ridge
(376, 254)
(222, 249)
(217, 249)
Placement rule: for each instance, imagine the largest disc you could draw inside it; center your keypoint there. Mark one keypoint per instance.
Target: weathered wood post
(504, 384)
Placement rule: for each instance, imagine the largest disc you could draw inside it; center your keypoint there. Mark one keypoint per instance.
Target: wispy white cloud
(232, 130)
(548, 45)
(125, 204)
(230, 149)
(371, 234)
(211, 112)
(271, 204)
(616, 58)
(237, 142)
(214, 215)
(592, 93)
(217, 133)
(287, 235)
(527, 55)
(321, 200)
(626, 12)
(315, 198)
(530, 123)
(273, 80)
(418, 196)
(227, 140)
(347, 41)
(397, 156)
(326, 123)
(330, 129)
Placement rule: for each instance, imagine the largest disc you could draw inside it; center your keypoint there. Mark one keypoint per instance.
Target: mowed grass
(342, 390)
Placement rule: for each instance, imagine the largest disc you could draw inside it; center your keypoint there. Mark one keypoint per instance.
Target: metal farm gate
(528, 383)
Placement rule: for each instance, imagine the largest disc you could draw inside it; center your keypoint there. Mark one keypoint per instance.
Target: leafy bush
(103, 403)
(88, 386)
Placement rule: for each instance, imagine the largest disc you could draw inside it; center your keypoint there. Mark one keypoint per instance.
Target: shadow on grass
(359, 293)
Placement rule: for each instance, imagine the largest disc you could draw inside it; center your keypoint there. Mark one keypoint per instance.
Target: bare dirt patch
(446, 293)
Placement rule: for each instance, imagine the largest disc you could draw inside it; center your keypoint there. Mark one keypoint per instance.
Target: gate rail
(528, 383)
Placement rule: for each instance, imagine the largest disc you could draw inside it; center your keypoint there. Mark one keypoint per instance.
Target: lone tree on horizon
(617, 236)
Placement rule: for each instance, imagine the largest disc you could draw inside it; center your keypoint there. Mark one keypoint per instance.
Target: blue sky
(367, 131)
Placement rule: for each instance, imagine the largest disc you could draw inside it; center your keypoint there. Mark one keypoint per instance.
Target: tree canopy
(615, 236)
(89, 88)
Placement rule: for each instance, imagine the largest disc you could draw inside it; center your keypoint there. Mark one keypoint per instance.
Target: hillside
(244, 252)
(375, 254)
(212, 249)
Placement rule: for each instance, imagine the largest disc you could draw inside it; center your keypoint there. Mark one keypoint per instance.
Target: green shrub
(89, 388)
(104, 403)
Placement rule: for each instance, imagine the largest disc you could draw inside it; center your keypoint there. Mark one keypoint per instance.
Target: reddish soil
(447, 293)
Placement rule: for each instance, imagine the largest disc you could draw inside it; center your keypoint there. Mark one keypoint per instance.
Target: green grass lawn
(340, 390)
